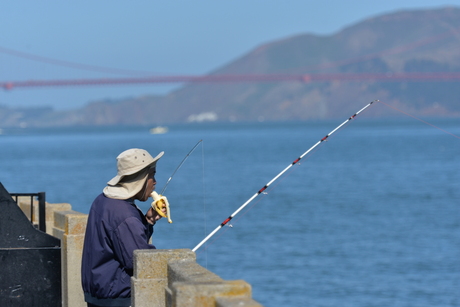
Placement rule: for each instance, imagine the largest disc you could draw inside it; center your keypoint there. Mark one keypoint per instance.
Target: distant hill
(419, 41)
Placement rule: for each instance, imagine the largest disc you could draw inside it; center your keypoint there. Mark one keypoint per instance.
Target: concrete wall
(173, 278)
(24, 203)
(69, 226)
(161, 277)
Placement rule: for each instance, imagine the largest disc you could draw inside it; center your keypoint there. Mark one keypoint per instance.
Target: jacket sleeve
(129, 236)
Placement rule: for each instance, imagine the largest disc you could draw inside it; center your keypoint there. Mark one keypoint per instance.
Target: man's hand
(152, 216)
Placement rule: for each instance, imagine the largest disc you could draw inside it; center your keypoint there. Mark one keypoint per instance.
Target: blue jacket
(115, 229)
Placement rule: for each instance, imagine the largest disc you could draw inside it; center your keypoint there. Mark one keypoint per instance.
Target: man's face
(151, 182)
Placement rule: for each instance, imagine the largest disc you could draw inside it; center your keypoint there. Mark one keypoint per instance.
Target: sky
(63, 40)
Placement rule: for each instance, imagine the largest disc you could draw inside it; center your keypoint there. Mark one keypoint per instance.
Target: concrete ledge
(60, 219)
(50, 210)
(205, 294)
(189, 271)
(147, 292)
(70, 227)
(153, 263)
(71, 222)
(173, 278)
(236, 302)
(150, 275)
(24, 202)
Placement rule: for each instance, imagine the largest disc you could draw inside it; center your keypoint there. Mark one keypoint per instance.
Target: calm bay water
(371, 218)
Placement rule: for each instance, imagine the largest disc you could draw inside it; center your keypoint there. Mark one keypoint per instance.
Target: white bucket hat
(133, 168)
(132, 161)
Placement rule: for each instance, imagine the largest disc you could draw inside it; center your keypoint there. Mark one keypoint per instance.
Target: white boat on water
(159, 130)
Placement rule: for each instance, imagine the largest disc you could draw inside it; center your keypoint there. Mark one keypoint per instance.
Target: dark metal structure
(30, 259)
(41, 207)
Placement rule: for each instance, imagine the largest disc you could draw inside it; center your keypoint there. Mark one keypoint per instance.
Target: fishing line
(204, 199)
(179, 166)
(277, 176)
(425, 122)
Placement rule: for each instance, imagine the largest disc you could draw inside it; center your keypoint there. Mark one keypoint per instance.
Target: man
(116, 227)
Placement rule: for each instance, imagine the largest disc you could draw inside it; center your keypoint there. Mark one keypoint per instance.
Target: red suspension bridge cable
(80, 66)
(304, 78)
(236, 78)
(390, 51)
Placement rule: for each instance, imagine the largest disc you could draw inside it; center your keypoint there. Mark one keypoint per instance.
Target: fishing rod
(159, 200)
(179, 166)
(276, 177)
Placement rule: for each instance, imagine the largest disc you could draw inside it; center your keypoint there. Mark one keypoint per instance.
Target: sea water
(369, 218)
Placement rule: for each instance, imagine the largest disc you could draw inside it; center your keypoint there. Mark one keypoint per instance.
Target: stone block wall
(24, 202)
(69, 227)
(174, 278)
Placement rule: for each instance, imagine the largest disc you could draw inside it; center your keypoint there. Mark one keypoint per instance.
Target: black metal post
(41, 211)
(32, 208)
(41, 197)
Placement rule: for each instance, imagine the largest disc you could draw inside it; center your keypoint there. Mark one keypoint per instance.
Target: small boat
(159, 130)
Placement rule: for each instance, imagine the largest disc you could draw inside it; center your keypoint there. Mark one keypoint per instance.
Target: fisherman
(116, 227)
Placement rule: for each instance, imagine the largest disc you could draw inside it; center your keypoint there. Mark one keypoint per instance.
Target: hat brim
(115, 180)
(127, 189)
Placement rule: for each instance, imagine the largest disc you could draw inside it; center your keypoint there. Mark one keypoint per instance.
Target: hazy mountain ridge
(407, 41)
